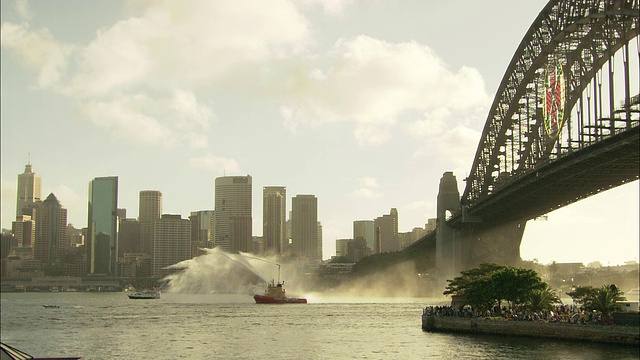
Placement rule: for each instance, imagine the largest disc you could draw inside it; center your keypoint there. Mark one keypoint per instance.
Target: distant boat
(145, 295)
(51, 306)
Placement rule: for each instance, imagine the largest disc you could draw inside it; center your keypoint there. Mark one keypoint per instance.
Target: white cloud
(215, 163)
(38, 50)
(376, 84)
(22, 8)
(334, 7)
(189, 44)
(176, 121)
(367, 188)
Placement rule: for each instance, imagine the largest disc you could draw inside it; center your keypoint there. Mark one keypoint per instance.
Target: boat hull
(262, 299)
(144, 296)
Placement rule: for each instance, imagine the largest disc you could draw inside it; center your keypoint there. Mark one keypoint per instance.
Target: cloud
(189, 44)
(22, 8)
(38, 50)
(216, 163)
(178, 120)
(368, 188)
(334, 7)
(377, 84)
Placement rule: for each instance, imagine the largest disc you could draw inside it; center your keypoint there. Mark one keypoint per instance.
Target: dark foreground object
(10, 353)
(612, 334)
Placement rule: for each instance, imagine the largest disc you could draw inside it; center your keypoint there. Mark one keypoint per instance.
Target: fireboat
(275, 294)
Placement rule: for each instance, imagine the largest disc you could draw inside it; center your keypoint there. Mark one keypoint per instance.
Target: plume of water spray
(218, 272)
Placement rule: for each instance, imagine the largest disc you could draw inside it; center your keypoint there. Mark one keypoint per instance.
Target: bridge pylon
(448, 204)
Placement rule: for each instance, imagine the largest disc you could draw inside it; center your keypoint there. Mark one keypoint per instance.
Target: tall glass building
(102, 228)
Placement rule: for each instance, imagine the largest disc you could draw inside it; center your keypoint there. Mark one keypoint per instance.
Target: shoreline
(611, 334)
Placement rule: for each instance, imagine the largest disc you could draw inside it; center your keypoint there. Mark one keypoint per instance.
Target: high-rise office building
(171, 243)
(28, 191)
(202, 228)
(128, 237)
(274, 219)
(102, 227)
(304, 228)
(149, 210)
(386, 233)
(233, 204)
(24, 231)
(363, 229)
(51, 231)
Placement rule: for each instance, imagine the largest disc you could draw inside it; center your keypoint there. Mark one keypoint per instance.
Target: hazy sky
(364, 104)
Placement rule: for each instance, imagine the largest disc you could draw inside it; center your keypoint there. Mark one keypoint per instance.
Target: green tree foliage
(606, 300)
(580, 294)
(543, 299)
(490, 284)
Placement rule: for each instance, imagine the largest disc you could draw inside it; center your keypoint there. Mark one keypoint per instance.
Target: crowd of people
(571, 314)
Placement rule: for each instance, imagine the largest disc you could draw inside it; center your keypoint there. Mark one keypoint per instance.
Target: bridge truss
(571, 84)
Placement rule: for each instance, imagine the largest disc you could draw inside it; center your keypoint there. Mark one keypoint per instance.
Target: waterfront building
(51, 231)
(274, 218)
(28, 191)
(305, 238)
(149, 210)
(363, 229)
(386, 232)
(233, 204)
(171, 243)
(202, 230)
(102, 235)
(24, 231)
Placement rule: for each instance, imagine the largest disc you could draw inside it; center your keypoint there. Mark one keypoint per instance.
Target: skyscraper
(202, 229)
(304, 228)
(274, 218)
(363, 229)
(232, 203)
(386, 233)
(171, 243)
(24, 231)
(102, 233)
(51, 231)
(149, 210)
(28, 189)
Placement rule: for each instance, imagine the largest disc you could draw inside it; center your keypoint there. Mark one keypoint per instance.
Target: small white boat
(145, 295)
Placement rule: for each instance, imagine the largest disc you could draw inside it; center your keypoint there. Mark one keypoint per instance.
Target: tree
(580, 294)
(543, 299)
(489, 284)
(605, 299)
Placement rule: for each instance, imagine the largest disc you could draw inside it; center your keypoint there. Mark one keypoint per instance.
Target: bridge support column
(448, 204)
(475, 244)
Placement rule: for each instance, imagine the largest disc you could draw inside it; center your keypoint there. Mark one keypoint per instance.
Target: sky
(362, 103)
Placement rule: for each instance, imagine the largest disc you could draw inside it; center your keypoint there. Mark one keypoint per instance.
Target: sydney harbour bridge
(563, 126)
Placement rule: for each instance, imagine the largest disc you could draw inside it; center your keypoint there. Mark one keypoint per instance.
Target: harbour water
(181, 326)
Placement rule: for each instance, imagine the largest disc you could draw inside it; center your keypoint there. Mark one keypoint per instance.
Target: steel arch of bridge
(582, 36)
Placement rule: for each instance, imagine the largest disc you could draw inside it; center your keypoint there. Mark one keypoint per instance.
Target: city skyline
(314, 96)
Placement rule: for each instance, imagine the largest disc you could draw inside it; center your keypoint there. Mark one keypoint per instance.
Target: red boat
(275, 294)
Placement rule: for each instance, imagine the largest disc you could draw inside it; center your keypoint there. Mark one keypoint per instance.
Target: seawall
(613, 334)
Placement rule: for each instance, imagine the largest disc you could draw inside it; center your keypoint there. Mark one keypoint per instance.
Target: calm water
(110, 326)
